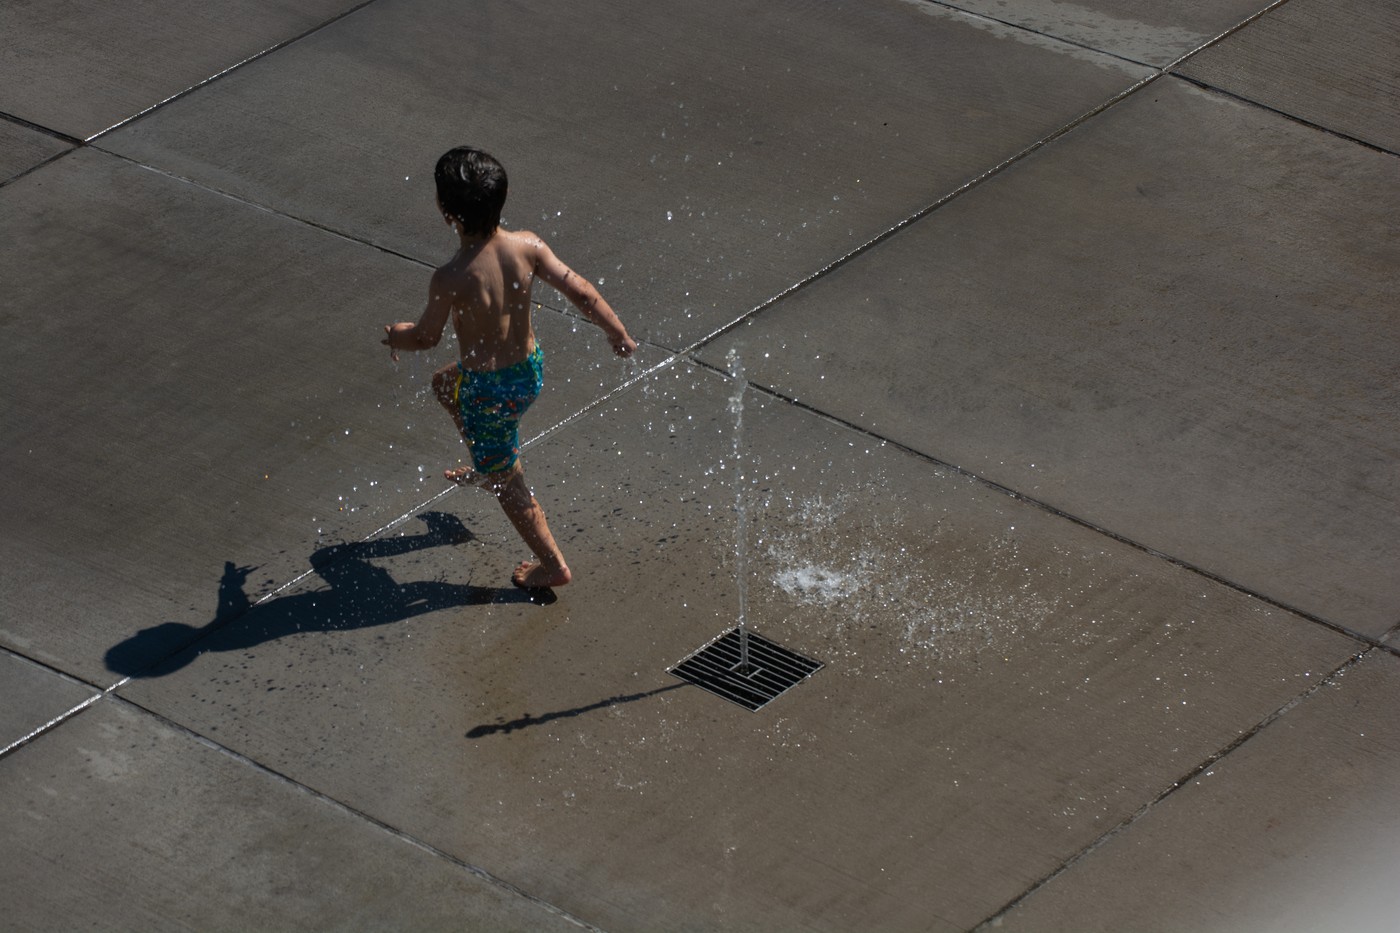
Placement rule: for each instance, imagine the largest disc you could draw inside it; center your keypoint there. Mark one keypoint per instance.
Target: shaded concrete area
(1066, 440)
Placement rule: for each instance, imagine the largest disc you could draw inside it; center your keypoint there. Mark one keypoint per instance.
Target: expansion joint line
(977, 181)
(57, 720)
(360, 815)
(1292, 117)
(1202, 769)
(1049, 509)
(80, 143)
(230, 69)
(208, 632)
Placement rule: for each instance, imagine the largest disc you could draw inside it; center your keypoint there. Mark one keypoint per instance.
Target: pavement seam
(356, 813)
(49, 726)
(72, 142)
(38, 128)
(996, 918)
(1167, 71)
(1207, 86)
(264, 208)
(685, 354)
(232, 68)
(98, 693)
(1368, 640)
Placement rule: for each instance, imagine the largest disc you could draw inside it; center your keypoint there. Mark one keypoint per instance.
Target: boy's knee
(500, 482)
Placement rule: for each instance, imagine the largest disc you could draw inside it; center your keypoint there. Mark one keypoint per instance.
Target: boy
(485, 291)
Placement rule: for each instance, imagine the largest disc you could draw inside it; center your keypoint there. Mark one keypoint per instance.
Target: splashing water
(950, 598)
(736, 408)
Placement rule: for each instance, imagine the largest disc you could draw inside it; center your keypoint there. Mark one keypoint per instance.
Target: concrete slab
(1177, 323)
(725, 173)
(121, 822)
(1001, 684)
(22, 148)
(199, 402)
(32, 696)
(1156, 33)
(1294, 831)
(81, 66)
(1335, 63)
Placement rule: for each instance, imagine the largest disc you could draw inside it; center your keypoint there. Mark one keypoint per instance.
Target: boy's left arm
(584, 296)
(426, 334)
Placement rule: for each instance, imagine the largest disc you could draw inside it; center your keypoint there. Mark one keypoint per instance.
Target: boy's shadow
(360, 595)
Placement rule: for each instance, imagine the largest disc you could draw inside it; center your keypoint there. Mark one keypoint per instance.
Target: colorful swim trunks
(491, 404)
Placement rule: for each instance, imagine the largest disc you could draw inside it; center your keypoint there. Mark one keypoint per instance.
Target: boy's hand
(624, 346)
(388, 342)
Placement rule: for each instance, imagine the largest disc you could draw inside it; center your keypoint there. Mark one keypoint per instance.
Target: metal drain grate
(773, 669)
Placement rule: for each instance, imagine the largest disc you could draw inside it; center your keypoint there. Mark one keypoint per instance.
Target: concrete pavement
(1069, 447)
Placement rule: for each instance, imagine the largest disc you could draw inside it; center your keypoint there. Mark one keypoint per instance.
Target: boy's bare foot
(464, 476)
(531, 575)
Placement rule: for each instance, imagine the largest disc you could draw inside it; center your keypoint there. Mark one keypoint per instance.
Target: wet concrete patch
(151, 828)
(83, 66)
(201, 404)
(1000, 685)
(1172, 323)
(1153, 33)
(732, 178)
(1296, 830)
(1335, 63)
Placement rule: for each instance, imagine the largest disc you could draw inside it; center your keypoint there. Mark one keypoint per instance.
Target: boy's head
(471, 189)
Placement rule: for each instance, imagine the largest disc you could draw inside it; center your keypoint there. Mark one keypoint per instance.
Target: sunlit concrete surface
(133, 823)
(32, 697)
(1235, 849)
(961, 630)
(695, 129)
(80, 67)
(1066, 439)
(1044, 335)
(213, 406)
(1330, 62)
(1155, 33)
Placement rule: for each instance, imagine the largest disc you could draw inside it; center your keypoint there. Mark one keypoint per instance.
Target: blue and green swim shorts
(491, 403)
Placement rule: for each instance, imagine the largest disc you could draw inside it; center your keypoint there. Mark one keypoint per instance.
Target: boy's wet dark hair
(471, 187)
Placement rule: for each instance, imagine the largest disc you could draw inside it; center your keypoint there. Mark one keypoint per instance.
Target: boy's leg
(445, 391)
(528, 518)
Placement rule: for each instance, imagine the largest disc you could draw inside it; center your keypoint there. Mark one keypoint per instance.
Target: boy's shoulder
(519, 240)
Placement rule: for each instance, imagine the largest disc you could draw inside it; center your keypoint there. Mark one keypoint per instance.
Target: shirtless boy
(484, 291)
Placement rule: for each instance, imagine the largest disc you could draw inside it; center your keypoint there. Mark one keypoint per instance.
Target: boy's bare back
(486, 291)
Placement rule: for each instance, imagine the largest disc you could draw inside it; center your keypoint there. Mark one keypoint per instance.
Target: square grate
(773, 669)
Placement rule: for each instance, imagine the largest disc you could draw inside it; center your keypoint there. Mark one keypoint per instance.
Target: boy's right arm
(424, 335)
(582, 294)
